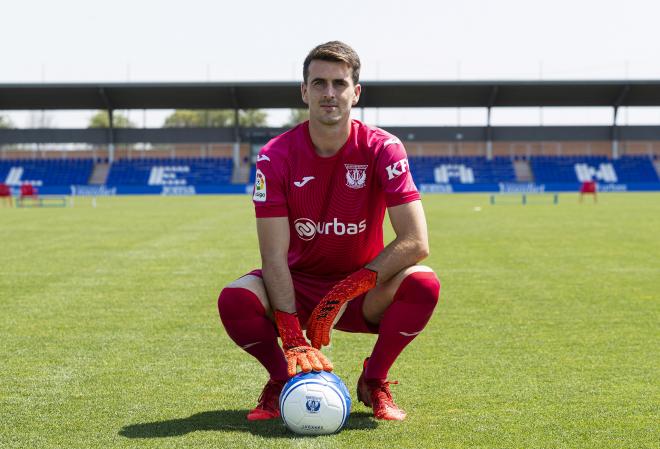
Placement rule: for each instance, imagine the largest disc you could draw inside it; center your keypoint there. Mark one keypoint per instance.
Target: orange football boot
(269, 402)
(375, 393)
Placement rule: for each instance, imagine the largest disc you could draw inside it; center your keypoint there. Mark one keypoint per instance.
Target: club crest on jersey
(259, 187)
(356, 175)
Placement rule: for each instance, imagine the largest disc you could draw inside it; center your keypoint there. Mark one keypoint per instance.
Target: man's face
(330, 92)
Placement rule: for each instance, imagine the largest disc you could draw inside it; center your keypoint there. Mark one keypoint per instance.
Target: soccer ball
(315, 403)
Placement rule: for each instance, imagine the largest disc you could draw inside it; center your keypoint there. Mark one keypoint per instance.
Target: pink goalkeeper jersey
(335, 205)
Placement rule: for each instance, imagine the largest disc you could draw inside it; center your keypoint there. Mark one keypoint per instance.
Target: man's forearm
(277, 278)
(398, 254)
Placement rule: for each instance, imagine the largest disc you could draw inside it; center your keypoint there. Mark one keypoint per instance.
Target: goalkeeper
(320, 196)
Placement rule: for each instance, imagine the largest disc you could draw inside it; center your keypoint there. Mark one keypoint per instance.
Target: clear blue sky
(198, 40)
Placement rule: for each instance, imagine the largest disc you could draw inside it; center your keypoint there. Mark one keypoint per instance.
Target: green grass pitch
(547, 334)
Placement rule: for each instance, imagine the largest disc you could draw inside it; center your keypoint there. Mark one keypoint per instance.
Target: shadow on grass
(230, 421)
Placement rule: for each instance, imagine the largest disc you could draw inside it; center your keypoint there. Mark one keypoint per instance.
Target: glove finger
(291, 365)
(314, 360)
(304, 363)
(326, 333)
(327, 364)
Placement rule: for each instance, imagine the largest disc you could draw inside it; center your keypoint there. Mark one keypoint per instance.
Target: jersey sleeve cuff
(396, 199)
(269, 212)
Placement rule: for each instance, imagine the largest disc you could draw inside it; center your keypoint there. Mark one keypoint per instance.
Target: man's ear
(303, 92)
(357, 91)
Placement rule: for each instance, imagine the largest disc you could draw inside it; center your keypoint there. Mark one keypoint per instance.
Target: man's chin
(331, 120)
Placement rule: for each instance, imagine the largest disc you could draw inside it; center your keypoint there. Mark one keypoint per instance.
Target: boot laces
(269, 395)
(384, 388)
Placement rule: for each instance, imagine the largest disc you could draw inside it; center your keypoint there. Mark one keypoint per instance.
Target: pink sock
(403, 320)
(246, 323)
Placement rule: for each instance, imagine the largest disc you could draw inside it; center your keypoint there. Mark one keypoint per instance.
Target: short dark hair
(334, 51)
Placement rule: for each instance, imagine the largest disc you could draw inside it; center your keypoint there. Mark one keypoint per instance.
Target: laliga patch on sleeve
(259, 187)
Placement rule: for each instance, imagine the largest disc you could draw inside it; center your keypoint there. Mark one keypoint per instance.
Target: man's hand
(307, 358)
(325, 312)
(296, 349)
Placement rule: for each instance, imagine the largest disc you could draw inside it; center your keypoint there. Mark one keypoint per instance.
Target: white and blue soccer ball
(315, 403)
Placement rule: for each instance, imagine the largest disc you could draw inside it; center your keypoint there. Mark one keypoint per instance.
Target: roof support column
(620, 99)
(615, 135)
(489, 137)
(111, 127)
(111, 137)
(237, 130)
(489, 129)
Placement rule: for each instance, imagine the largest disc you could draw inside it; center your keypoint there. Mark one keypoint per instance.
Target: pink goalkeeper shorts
(310, 290)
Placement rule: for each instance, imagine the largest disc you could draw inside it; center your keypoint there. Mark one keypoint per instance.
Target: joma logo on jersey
(307, 229)
(397, 169)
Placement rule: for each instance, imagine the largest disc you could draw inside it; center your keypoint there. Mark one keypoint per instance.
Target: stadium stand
(461, 170)
(574, 169)
(636, 169)
(45, 172)
(214, 175)
(172, 172)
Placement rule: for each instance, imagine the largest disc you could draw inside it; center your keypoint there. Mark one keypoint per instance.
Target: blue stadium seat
(47, 172)
(562, 169)
(423, 169)
(186, 171)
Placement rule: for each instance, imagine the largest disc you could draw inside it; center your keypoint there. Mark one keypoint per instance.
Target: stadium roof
(381, 94)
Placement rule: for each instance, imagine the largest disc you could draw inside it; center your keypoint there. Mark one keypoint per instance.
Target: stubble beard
(333, 119)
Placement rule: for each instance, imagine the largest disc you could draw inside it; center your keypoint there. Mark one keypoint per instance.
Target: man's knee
(236, 303)
(229, 303)
(245, 296)
(421, 285)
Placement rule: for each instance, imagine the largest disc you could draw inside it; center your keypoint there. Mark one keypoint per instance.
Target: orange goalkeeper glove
(296, 349)
(324, 314)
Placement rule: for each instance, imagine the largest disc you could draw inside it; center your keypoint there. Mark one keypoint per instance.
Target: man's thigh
(360, 315)
(308, 290)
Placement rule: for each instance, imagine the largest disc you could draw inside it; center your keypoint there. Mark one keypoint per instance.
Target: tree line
(189, 118)
(196, 118)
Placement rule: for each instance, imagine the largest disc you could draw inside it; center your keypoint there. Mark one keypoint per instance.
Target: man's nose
(329, 91)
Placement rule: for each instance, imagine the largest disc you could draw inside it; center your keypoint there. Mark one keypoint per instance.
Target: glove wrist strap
(289, 328)
(371, 277)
